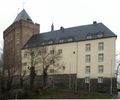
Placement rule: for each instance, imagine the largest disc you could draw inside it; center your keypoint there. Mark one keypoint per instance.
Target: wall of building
(109, 58)
(15, 36)
(73, 58)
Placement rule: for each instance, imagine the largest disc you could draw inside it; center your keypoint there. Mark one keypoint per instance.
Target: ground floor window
(87, 79)
(100, 79)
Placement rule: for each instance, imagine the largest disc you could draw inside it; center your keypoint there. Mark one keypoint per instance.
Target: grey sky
(66, 13)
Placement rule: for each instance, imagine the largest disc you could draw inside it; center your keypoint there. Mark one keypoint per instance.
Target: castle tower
(15, 36)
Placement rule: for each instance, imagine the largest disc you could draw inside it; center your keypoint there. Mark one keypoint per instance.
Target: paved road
(117, 96)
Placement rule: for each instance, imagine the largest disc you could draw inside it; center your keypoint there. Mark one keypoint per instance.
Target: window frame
(100, 57)
(88, 47)
(100, 68)
(87, 69)
(88, 58)
(59, 51)
(52, 51)
(101, 46)
(87, 79)
(100, 79)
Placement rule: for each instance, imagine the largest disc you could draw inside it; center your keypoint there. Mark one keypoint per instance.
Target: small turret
(52, 27)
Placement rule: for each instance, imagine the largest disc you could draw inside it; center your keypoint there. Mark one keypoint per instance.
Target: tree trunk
(44, 78)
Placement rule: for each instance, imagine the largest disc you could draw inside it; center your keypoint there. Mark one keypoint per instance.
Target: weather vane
(23, 4)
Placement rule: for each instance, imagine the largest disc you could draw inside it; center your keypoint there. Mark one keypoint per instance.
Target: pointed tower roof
(22, 15)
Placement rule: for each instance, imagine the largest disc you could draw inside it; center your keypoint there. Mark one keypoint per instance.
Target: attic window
(50, 42)
(100, 35)
(42, 43)
(89, 37)
(61, 41)
(70, 39)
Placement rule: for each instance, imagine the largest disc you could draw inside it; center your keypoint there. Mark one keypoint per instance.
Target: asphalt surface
(117, 96)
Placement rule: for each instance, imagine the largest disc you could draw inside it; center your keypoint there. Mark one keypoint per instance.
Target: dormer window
(61, 41)
(89, 37)
(100, 35)
(70, 40)
(50, 42)
(42, 43)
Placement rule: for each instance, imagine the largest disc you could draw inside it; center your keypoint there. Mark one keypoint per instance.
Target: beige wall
(109, 58)
(73, 58)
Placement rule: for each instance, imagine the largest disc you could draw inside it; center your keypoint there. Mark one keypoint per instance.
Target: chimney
(52, 27)
(94, 22)
(62, 29)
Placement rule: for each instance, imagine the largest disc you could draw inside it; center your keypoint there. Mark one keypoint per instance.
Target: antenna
(18, 10)
(23, 4)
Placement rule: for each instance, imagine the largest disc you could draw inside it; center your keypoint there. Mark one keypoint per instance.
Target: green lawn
(94, 95)
(69, 94)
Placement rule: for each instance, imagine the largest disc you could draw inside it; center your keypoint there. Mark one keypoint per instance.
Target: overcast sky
(66, 13)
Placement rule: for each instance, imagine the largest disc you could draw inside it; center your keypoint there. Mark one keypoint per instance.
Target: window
(42, 43)
(50, 42)
(73, 52)
(18, 52)
(59, 51)
(39, 53)
(51, 51)
(100, 35)
(70, 39)
(36, 62)
(51, 70)
(89, 37)
(63, 67)
(25, 64)
(101, 46)
(100, 69)
(87, 69)
(87, 79)
(61, 41)
(88, 47)
(17, 39)
(100, 57)
(100, 79)
(87, 58)
(25, 55)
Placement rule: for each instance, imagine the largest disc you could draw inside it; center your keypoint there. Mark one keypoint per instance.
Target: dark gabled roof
(73, 34)
(22, 16)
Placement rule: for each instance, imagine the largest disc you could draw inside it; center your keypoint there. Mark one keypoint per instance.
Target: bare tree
(46, 59)
(33, 57)
(9, 70)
